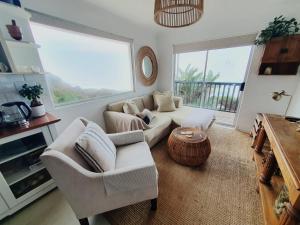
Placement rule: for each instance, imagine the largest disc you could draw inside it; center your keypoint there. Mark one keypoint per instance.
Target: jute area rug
(220, 192)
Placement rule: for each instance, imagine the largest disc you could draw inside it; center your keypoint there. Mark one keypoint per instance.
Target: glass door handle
(242, 87)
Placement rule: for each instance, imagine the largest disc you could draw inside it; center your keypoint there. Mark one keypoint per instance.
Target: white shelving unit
(21, 56)
(22, 174)
(23, 177)
(12, 157)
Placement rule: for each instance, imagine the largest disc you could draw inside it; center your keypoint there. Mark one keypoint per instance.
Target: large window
(82, 66)
(212, 79)
(219, 65)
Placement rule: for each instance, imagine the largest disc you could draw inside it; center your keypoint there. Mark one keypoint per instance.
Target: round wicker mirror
(146, 65)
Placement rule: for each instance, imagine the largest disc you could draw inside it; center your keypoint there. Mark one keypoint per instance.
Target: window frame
(230, 42)
(62, 24)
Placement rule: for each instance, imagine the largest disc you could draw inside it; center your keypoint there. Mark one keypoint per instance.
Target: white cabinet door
(3, 206)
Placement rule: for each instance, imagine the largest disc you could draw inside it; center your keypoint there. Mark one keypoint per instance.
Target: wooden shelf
(12, 157)
(33, 124)
(268, 194)
(22, 174)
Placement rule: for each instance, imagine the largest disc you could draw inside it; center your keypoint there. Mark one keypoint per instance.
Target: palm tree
(211, 77)
(189, 89)
(190, 74)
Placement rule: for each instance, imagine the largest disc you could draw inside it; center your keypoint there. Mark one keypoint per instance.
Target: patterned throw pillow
(96, 148)
(130, 108)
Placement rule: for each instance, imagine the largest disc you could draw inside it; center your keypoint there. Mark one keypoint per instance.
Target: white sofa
(135, 178)
(161, 125)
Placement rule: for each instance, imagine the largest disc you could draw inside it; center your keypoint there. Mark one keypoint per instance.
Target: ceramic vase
(38, 111)
(14, 31)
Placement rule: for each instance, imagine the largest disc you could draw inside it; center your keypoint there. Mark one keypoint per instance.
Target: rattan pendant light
(177, 13)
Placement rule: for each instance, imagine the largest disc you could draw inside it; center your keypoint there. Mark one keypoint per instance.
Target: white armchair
(135, 178)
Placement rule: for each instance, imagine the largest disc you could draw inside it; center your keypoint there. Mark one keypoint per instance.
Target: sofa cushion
(176, 116)
(116, 107)
(165, 103)
(96, 148)
(156, 94)
(160, 127)
(139, 103)
(182, 115)
(148, 102)
(178, 101)
(130, 108)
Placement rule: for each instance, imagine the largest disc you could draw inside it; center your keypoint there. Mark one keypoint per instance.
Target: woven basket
(190, 151)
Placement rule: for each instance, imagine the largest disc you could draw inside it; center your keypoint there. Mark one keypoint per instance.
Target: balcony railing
(210, 95)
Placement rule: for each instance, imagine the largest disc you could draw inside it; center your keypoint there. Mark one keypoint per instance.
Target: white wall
(294, 109)
(257, 96)
(258, 93)
(83, 13)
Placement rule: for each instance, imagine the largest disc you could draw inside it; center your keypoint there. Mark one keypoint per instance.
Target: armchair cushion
(133, 155)
(96, 148)
(126, 138)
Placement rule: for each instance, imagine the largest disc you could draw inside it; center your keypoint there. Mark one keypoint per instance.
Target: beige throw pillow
(96, 148)
(157, 94)
(165, 103)
(130, 108)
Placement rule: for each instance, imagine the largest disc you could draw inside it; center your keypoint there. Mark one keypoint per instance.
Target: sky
(84, 60)
(231, 63)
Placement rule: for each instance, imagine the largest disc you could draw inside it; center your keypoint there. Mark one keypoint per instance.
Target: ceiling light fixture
(177, 13)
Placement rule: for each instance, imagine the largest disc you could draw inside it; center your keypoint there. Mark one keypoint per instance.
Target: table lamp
(277, 96)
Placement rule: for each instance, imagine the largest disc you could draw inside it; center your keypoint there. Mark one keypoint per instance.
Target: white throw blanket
(201, 118)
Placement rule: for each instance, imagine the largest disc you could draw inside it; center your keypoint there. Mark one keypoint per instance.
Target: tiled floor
(51, 209)
(225, 118)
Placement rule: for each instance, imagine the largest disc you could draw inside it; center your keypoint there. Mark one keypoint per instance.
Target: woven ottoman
(189, 146)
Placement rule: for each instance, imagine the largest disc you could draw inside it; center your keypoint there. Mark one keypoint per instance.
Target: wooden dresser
(285, 155)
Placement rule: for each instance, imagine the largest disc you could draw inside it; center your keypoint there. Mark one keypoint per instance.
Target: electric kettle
(14, 114)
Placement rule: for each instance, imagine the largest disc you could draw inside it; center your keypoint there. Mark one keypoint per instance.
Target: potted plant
(32, 93)
(280, 27)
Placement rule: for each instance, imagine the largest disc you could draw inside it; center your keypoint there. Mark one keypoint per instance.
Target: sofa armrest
(117, 122)
(178, 101)
(126, 138)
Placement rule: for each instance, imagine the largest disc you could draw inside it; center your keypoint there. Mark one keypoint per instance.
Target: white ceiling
(136, 11)
(215, 11)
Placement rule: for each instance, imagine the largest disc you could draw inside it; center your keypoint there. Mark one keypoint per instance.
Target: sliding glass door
(212, 79)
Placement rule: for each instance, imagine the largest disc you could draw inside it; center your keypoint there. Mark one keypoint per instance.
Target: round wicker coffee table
(189, 146)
